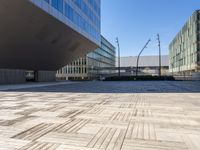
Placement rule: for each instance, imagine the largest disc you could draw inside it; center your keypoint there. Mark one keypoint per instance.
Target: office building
(44, 35)
(184, 50)
(92, 65)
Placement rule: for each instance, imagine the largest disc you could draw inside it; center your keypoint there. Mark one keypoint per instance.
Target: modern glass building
(184, 50)
(45, 35)
(92, 65)
(81, 15)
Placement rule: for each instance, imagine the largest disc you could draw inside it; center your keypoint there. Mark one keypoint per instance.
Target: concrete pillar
(45, 76)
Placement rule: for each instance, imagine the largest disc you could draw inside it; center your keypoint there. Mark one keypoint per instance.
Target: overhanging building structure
(184, 50)
(45, 35)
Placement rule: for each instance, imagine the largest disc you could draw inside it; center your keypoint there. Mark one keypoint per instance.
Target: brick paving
(102, 116)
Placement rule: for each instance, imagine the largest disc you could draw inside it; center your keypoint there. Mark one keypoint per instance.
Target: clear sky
(135, 21)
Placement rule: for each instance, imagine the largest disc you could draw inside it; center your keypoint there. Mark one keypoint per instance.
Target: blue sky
(135, 21)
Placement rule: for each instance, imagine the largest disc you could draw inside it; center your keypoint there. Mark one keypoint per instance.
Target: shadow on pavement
(120, 87)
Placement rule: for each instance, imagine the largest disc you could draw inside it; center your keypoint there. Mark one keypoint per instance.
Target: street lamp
(117, 41)
(139, 56)
(159, 54)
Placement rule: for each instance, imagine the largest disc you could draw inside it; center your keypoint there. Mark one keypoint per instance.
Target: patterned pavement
(102, 116)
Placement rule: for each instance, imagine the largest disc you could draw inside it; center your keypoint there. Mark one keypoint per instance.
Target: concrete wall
(196, 76)
(145, 61)
(14, 76)
(11, 76)
(45, 76)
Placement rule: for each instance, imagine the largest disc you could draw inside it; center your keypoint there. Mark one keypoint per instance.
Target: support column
(45, 76)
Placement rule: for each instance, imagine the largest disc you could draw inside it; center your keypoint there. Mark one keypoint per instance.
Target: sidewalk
(32, 85)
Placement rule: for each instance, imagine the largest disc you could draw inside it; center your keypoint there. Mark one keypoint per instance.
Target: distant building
(92, 65)
(184, 50)
(148, 65)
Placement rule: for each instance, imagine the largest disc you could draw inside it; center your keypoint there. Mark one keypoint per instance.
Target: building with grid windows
(91, 66)
(45, 35)
(184, 50)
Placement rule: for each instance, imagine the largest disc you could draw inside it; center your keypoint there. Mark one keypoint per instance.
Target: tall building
(92, 65)
(184, 50)
(45, 35)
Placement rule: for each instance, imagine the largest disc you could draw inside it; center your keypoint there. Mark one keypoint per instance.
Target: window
(69, 12)
(46, 1)
(57, 4)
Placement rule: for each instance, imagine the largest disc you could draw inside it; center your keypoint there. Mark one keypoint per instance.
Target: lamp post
(139, 56)
(159, 54)
(117, 41)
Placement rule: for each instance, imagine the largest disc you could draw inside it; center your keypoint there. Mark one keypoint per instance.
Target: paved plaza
(102, 116)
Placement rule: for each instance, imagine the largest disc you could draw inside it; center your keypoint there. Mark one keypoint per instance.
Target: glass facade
(184, 50)
(81, 15)
(91, 65)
